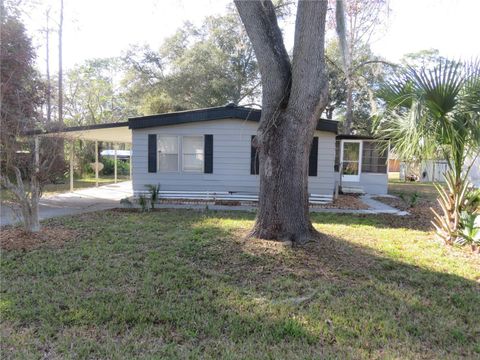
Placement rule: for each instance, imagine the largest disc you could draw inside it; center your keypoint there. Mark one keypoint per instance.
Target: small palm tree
(154, 191)
(434, 113)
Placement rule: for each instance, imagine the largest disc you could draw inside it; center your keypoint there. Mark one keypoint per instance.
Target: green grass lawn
(184, 284)
(425, 190)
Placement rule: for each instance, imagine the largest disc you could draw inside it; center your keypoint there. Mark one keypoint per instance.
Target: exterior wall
(371, 183)
(231, 159)
(433, 170)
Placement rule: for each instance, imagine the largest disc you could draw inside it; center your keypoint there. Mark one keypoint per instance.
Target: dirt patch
(14, 238)
(420, 214)
(350, 202)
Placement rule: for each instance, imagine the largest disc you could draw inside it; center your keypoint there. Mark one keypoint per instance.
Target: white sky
(102, 28)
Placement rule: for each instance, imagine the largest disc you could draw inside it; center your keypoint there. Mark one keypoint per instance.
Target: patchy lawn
(184, 284)
(426, 190)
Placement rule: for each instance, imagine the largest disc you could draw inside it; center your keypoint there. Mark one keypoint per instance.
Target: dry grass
(15, 238)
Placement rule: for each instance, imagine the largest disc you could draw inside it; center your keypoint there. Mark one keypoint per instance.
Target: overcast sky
(103, 28)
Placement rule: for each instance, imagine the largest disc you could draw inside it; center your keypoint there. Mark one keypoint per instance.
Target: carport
(115, 133)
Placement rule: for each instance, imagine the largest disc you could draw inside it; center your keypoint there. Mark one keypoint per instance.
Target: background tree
(22, 96)
(93, 94)
(368, 72)
(362, 19)
(48, 93)
(203, 66)
(60, 66)
(294, 95)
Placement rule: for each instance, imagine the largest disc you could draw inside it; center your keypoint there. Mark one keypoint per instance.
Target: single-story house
(211, 150)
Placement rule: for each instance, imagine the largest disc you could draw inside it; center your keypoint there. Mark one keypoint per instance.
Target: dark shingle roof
(215, 113)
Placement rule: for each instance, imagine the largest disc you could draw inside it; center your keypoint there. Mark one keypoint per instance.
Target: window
(192, 149)
(168, 153)
(374, 157)
(351, 158)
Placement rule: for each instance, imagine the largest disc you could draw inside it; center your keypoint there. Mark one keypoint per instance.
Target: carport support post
(72, 144)
(96, 163)
(115, 161)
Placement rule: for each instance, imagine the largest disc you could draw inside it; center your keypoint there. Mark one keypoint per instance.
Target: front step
(357, 190)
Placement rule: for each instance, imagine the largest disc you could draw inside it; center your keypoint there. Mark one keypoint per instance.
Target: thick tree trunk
(294, 94)
(283, 212)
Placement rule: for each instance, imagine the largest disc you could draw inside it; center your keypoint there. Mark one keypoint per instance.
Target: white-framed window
(192, 153)
(168, 153)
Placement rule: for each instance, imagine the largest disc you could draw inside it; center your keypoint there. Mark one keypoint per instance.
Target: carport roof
(113, 132)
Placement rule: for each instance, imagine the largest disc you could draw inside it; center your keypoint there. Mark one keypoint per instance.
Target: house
(211, 150)
(361, 164)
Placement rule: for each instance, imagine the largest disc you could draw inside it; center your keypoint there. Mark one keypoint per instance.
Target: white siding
(231, 159)
(371, 183)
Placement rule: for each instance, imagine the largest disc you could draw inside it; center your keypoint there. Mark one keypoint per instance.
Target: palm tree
(435, 112)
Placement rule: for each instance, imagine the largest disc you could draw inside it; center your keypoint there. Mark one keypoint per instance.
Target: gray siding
(371, 183)
(231, 159)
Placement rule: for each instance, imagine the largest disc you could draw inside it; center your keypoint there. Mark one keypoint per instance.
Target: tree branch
(309, 79)
(262, 28)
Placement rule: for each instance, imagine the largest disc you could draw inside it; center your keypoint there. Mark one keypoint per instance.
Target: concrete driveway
(77, 202)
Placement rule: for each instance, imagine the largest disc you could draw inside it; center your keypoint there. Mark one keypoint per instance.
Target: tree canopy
(209, 65)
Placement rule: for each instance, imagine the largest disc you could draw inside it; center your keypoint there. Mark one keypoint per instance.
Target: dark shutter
(313, 158)
(254, 160)
(152, 153)
(208, 154)
(336, 166)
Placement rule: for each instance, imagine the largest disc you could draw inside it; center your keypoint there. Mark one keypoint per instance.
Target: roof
(120, 132)
(356, 137)
(209, 114)
(112, 132)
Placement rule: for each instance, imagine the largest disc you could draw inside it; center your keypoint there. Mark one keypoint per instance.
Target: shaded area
(188, 284)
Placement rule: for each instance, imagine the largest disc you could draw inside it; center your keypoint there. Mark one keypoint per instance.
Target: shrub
(143, 202)
(123, 167)
(153, 190)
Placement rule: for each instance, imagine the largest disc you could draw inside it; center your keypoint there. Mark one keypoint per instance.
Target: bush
(123, 167)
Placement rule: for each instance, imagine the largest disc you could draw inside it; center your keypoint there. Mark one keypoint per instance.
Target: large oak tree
(294, 95)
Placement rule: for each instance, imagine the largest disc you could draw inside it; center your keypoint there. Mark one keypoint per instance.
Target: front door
(351, 160)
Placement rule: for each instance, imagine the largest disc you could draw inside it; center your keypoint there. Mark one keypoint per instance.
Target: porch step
(353, 190)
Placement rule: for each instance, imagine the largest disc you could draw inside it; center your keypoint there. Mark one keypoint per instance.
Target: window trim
(159, 152)
(352, 178)
(202, 169)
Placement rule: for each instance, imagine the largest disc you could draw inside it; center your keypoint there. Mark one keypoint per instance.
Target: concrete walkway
(77, 202)
(375, 208)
